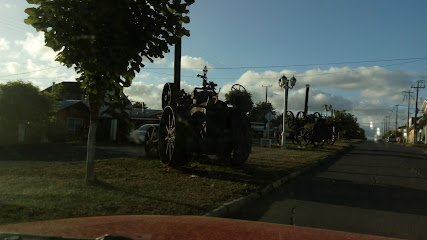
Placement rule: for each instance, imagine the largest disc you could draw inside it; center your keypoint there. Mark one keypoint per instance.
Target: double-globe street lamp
(285, 84)
(327, 108)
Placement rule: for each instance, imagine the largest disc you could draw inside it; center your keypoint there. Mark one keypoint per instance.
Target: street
(377, 188)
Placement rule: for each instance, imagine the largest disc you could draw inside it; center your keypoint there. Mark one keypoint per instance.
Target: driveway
(377, 188)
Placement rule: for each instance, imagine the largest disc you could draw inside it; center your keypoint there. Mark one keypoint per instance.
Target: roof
(137, 113)
(70, 90)
(66, 103)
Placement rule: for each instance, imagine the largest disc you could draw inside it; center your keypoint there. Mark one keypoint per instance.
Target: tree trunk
(91, 140)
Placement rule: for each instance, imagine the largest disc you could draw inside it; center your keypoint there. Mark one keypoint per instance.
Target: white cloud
(8, 5)
(34, 45)
(40, 75)
(193, 63)
(372, 82)
(368, 93)
(4, 44)
(150, 94)
(14, 67)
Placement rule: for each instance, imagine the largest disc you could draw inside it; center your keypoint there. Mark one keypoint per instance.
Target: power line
(414, 59)
(318, 64)
(29, 72)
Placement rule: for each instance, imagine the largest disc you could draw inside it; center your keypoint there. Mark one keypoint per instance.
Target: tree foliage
(346, 124)
(22, 103)
(106, 42)
(260, 110)
(240, 99)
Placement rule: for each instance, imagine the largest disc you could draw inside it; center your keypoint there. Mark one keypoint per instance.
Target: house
(423, 123)
(73, 117)
(139, 117)
(420, 129)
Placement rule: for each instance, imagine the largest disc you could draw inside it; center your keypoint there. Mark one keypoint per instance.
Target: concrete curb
(231, 207)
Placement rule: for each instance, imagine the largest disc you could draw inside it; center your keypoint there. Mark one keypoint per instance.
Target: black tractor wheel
(238, 87)
(172, 145)
(169, 95)
(198, 130)
(242, 139)
(317, 115)
(303, 137)
(331, 139)
(151, 142)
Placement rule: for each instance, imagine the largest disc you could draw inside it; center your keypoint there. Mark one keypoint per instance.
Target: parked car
(144, 133)
(392, 138)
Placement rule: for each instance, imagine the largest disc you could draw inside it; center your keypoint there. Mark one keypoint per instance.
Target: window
(74, 125)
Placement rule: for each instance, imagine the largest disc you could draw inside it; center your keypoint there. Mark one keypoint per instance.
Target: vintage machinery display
(199, 123)
(311, 128)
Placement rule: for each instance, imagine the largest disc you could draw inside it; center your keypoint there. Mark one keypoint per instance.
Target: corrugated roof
(66, 103)
(137, 112)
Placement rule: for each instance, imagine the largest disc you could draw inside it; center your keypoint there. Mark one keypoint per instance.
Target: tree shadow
(68, 152)
(111, 187)
(344, 193)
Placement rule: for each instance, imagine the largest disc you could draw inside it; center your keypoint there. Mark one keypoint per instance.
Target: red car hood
(141, 227)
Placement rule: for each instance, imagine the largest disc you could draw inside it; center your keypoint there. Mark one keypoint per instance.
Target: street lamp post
(284, 83)
(327, 108)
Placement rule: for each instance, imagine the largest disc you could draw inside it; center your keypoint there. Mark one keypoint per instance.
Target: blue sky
(356, 55)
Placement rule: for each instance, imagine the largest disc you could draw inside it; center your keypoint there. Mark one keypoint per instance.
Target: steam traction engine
(200, 123)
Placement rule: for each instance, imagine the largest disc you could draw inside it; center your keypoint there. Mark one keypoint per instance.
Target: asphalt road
(377, 188)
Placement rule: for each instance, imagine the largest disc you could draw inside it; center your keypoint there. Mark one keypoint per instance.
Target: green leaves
(106, 40)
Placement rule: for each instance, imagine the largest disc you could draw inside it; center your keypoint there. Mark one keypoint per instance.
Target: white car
(144, 133)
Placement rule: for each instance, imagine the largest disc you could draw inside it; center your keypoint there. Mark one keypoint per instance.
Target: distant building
(423, 123)
(73, 119)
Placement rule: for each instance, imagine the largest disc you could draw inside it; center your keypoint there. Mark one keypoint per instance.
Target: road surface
(377, 188)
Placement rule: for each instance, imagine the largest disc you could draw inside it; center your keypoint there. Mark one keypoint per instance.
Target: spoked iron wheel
(317, 115)
(331, 139)
(303, 137)
(169, 90)
(242, 139)
(238, 87)
(300, 115)
(198, 123)
(172, 149)
(151, 143)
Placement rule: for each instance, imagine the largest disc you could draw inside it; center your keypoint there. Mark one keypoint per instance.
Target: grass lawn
(41, 191)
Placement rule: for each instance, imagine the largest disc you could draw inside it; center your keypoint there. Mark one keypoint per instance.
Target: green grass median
(42, 191)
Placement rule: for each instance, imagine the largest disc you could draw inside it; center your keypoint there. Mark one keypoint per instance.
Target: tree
(260, 110)
(240, 99)
(140, 105)
(346, 124)
(22, 103)
(106, 41)
(137, 104)
(119, 108)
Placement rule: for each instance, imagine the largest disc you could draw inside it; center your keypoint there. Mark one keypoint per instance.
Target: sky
(356, 56)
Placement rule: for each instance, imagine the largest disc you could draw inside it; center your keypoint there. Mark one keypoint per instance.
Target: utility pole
(177, 64)
(397, 110)
(409, 105)
(385, 127)
(416, 107)
(266, 91)
(307, 89)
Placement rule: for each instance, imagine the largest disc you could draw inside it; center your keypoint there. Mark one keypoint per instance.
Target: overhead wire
(150, 69)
